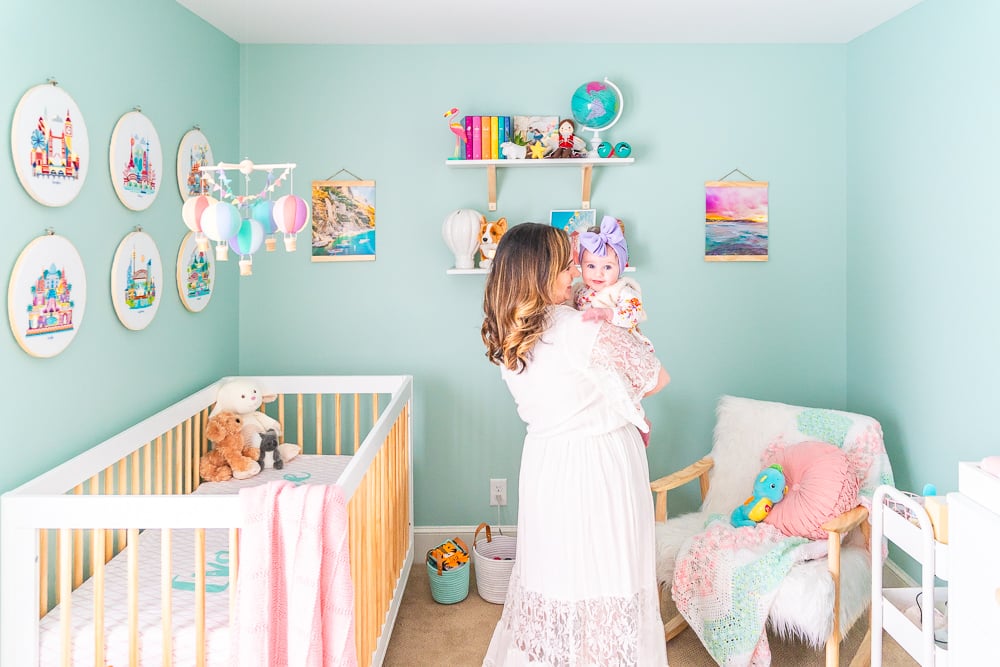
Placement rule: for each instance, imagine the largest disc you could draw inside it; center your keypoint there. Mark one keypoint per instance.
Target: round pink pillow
(822, 484)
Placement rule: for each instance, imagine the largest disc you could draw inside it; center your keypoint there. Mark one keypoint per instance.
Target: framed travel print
(194, 152)
(136, 280)
(48, 139)
(343, 219)
(136, 161)
(736, 221)
(47, 295)
(574, 222)
(195, 274)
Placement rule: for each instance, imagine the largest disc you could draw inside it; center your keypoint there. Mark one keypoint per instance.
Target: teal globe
(596, 105)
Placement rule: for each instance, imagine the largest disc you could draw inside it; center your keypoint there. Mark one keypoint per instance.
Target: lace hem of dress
(629, 369)
(596, 631)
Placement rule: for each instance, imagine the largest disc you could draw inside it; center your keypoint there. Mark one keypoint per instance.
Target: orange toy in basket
(449, 555)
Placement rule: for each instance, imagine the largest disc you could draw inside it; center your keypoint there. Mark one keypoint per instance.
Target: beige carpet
(432, 634)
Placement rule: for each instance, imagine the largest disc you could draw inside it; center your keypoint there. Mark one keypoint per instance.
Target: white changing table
(888, 604)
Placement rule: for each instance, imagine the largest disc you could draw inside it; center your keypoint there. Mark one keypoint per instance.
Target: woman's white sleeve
(625, 369)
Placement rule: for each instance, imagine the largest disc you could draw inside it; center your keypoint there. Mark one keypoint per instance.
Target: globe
(596, 105)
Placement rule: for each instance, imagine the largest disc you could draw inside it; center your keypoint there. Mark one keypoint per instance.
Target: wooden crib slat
(178, 460)
(109, 489)
(319, 423)
(337, 416)
(77, 547)
(97, 560)
(166, 623)
(199, 596)
(188, 457)
(147, 468)
(299, 420)
(122, 489)
(158, 466)
(357, 424)
(65, 593)
(133, 598)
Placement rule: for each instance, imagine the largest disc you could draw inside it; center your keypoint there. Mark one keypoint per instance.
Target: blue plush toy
(768, 489)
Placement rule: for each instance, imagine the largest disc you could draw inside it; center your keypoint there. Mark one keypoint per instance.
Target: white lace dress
(583, 588)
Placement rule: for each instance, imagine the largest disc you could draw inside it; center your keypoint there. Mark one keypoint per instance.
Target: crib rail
(66, 524)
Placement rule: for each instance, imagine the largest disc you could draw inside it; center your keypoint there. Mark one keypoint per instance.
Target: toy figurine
(567, 146)
(768, 489)
(458, 129)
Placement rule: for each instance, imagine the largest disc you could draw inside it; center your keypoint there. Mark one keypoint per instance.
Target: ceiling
(542, 22)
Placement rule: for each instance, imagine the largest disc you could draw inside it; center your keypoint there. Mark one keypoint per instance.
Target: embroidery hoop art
(37, 257)
(148, 179)
(193, 296)
(194, 145)
(35, 105)
(136, 268)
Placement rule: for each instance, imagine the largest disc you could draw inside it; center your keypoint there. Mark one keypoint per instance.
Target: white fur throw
(745, 429)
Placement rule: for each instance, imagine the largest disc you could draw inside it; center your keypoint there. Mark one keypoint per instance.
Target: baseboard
(426, 538)
(906, 581)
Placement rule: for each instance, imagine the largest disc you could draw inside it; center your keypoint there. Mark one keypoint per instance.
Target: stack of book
(484, 134)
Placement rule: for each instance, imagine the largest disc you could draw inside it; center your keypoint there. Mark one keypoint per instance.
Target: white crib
(82, 543)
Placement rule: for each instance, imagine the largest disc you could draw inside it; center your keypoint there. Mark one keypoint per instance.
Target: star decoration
(537, 150)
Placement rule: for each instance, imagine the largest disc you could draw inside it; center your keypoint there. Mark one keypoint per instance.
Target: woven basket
(494, 559)
(448, 586)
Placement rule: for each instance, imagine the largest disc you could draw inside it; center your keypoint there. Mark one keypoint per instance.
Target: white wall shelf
(586, 166)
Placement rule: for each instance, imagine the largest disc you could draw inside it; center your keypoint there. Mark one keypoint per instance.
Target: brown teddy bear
(229, 457)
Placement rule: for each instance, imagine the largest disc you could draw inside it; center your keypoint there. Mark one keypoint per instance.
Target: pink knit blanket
(294, 596)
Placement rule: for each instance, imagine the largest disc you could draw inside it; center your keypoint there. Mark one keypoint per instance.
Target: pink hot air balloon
(192, 211)
(220, 222)
(290, 215)
(246, 242)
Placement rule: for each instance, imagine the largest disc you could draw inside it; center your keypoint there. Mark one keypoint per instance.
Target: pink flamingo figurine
(458, 129)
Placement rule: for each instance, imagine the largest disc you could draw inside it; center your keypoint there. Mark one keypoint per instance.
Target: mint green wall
(772, 330)
(923, 330)
(181, 72)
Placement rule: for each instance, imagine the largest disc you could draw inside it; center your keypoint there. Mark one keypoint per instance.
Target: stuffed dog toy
(229, 458)
(489, 236)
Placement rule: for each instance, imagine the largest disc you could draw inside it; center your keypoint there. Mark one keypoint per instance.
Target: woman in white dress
(583, 588)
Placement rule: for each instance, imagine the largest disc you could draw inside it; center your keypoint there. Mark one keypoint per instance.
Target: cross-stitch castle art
(51, 307)
(138, 176)
(199, 278)
(140, 288)
(52, 148)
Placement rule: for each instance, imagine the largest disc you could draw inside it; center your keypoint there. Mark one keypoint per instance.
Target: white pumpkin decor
(461, 234)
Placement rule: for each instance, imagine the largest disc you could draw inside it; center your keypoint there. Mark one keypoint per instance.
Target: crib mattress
(308, 469)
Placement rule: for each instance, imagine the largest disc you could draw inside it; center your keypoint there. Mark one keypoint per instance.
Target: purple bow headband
(610, 236)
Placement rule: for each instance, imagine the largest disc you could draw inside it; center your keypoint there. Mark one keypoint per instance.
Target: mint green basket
(448, 586)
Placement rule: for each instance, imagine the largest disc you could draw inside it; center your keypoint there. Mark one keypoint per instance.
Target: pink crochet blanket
(294, 597)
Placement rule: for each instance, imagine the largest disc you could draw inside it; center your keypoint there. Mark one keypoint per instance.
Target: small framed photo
(574, 222)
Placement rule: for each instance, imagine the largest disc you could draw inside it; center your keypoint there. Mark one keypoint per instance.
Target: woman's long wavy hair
(519, 288)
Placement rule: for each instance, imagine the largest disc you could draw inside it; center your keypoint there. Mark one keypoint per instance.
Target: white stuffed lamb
(244, 396)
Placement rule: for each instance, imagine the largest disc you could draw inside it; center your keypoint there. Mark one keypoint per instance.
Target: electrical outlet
(498, 492)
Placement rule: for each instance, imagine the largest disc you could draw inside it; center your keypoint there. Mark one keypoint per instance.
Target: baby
(604, 294)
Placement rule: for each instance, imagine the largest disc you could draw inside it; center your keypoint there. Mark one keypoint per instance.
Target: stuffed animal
(244, 397)
(229, 457)
(270, 456)
(489, 236)
(768, 489)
